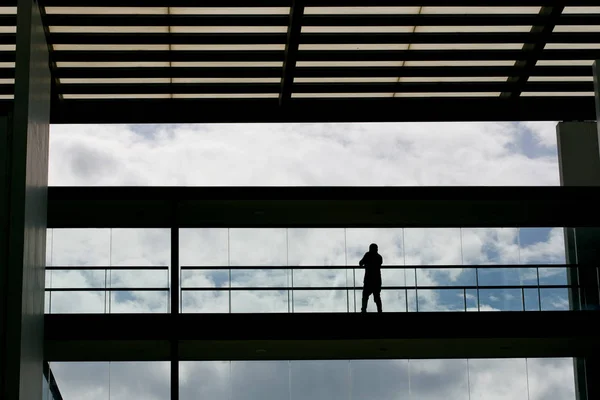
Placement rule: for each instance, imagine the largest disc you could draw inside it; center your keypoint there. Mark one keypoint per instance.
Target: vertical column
(579, 161)
(23, 203)
(579, 165)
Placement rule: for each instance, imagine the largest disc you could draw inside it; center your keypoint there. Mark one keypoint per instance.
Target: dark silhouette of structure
(372, 262)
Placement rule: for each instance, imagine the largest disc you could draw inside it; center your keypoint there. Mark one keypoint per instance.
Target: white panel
(360, 10)
(561, 46)
(8, 29)
(110, 64)
(403, 79)
(67, 81)
(7, 96)
(7, 64)
(227, 47)
(480, 10)
(109, 29)
(224, 95)
(554, 94)
(230, 10)
(577, 28)
(460, 63)
(466, 46)
(107, 10)
(561, 79)
(349, 63)
(455, 79)
(392, 46)
(219, 64)
(116, 96)
(338, 80)
(110, 47)
(581, 10)
(8, 47)
(226, 80)
(449, 94)
(8, 10)
(357, 29)
(333, 95)
(9, 81)
(229, 29)
(565, 62)
(483, 28)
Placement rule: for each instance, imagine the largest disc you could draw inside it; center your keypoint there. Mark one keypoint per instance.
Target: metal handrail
(342, 267)
(108, 290)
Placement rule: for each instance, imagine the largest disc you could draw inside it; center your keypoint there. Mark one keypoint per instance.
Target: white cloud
(301, 154)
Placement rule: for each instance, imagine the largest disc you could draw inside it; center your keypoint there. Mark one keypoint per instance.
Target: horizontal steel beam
(311, 38)
(308, 72)
(312, 3)
(339, 336)
(342, 87)
(124, 111)
(129, 207)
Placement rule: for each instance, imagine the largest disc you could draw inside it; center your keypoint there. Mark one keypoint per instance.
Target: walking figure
(372, 262)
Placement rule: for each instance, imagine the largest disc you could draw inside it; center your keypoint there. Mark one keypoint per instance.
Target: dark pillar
(579, 160)
(23, 198)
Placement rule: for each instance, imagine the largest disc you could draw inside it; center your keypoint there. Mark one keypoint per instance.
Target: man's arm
(362, 261)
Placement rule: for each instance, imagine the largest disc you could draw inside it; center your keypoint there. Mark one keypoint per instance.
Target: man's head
(373, 248)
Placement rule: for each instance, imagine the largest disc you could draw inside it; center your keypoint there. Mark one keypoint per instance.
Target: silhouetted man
(372, 283)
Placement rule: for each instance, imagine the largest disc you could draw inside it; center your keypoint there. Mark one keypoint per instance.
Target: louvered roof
(314, 60)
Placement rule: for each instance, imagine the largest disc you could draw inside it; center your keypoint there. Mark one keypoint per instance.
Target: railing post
(175, 304)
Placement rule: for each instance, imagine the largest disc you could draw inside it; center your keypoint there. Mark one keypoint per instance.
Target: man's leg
(377, 298)
(365, 299)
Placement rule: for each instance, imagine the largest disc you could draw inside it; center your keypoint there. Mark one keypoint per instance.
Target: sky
(440, 154)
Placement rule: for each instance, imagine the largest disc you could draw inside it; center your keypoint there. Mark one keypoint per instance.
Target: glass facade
(431, 379)
(283, 270)
(456, 379)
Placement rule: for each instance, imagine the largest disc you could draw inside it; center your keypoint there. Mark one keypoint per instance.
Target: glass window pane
(260, 301)
(437, 379)
(441, 300)
(204, 380)
(140, 380)
(551, 378)
(320, 380)
(205, 302)
(204, 248)
(532, 300)
(143, 247)
(500, 379)
(379, 379)
(258, 247)
(80, 247)
(257, 278)
(139, 302)
(317, 247)
(445, 276)
(432, 246)
(82, 380)
(74, 302)
(555, 299)
(389, 241)
(490, 246)
(321, 300)
(260, 380)
(542, 246)
(501, 299)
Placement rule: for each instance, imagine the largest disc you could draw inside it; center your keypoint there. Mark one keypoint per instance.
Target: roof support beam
(534, 49)
(291, 51)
